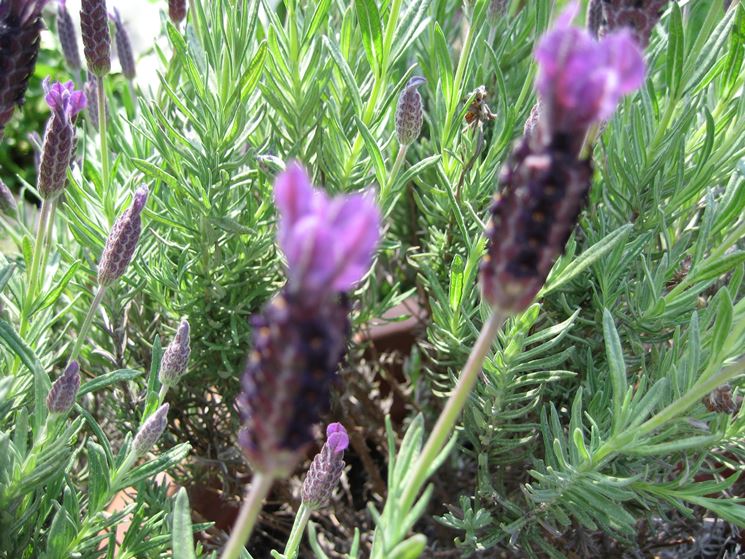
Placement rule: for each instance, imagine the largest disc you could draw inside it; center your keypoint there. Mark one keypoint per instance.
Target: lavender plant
(565, 378)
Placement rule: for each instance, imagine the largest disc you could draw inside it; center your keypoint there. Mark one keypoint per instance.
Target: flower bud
(8, 203)
(409, 112)
(150, 431)
(175, 357)
(62, 395)
(177, 11)
(638, 17)
(20, 30)
(297, 348)
(325, 470)
(94, 24)
(122, 240)
(68, 37)
(123, 46)
(58, 146)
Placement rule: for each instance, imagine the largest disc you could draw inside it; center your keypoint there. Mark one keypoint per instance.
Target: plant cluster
(556, 188)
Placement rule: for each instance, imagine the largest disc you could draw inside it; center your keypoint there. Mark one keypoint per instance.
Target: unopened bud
(62, 395)
(175, 357)
(409, 114)
(94, 24)
(122, 241)
(150, 431)
(325, 470)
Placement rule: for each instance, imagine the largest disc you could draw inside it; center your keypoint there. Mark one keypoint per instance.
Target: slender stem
(400, 158)
(298, 529)
(133, 96)
(48, 241)
(87, 323)
(102, 131)
(162, 393)
(260, 486)
(454, 406)
(36, 259)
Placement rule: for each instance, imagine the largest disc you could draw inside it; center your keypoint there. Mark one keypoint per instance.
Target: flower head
(580, 81)
(328, 242)
(150, 431)
(62, 395)
(639, 17)
(20, 29)
(94, 24)
(409, 113)
(123, 46)
(176, 356)
(122, 240)
(177, 10)
(67, 36)
(325, 470)
(64, 99)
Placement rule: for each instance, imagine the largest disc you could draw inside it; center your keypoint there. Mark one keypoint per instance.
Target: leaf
(98, 476)
(374, 151)
(372, 33)
(153, 384)
(114, 377)
(587, 259)
(409, 549)
(616, 367)
(675, 50)
(182, 537)
(346, 74)
(723, 324)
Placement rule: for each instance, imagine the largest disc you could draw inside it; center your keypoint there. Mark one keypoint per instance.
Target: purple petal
(337, 437)
(140, 199)
(293, 194)
(310, 262)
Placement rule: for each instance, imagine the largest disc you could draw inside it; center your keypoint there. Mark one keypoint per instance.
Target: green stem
(454, 406)
(400, 158)
(87, 322)
(260, 486)
(102, 131)
(48, 241)
(298, 529)
(162, 393)
(36, 259)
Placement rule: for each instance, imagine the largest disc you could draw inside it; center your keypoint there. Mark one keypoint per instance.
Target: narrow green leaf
(182, 537)
(372, 32)
(616, 367)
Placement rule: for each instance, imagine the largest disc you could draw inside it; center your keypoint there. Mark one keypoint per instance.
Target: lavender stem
(298, 529)
(46, 207)
(102, 130)
(454, 406)
(400, 158)
(260, 486)
(87, 323)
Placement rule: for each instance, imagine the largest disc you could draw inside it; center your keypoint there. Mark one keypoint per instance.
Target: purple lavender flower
(545, 182)
(325, 470)
(68, 37)
(7, 200)
(62, 395)
(177, 10)
(20, 30)
(409, 113)
(123, 46)
(122, 240)
(175, 357)
(59, 137)
(328, 242)
(580, 81)
(150, 431)
(94, 24)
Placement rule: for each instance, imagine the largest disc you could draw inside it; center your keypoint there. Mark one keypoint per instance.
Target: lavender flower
(122, 241)
(325, 470)
(639, 17)
(545, 183)
(68, 37)
(7, 200)
(62, 395)
(123, 46)
(20, 29)
(328, 242)
(300, 337)
(409, 112)
(150, 432)
(94, 24)
(580, 81)
(59, 137)
(175, 357)
(177, 10)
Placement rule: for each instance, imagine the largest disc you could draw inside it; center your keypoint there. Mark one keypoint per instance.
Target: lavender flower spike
(328, 242)
(325, 470)
(409, 112)
(580, 81)
(20, 30)
(68, 37)
(94, 24)
(150, 432)
(175, 357)
(59, 138)
(122, 241)
(62, 395)
(177, 10)
(123, 46)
